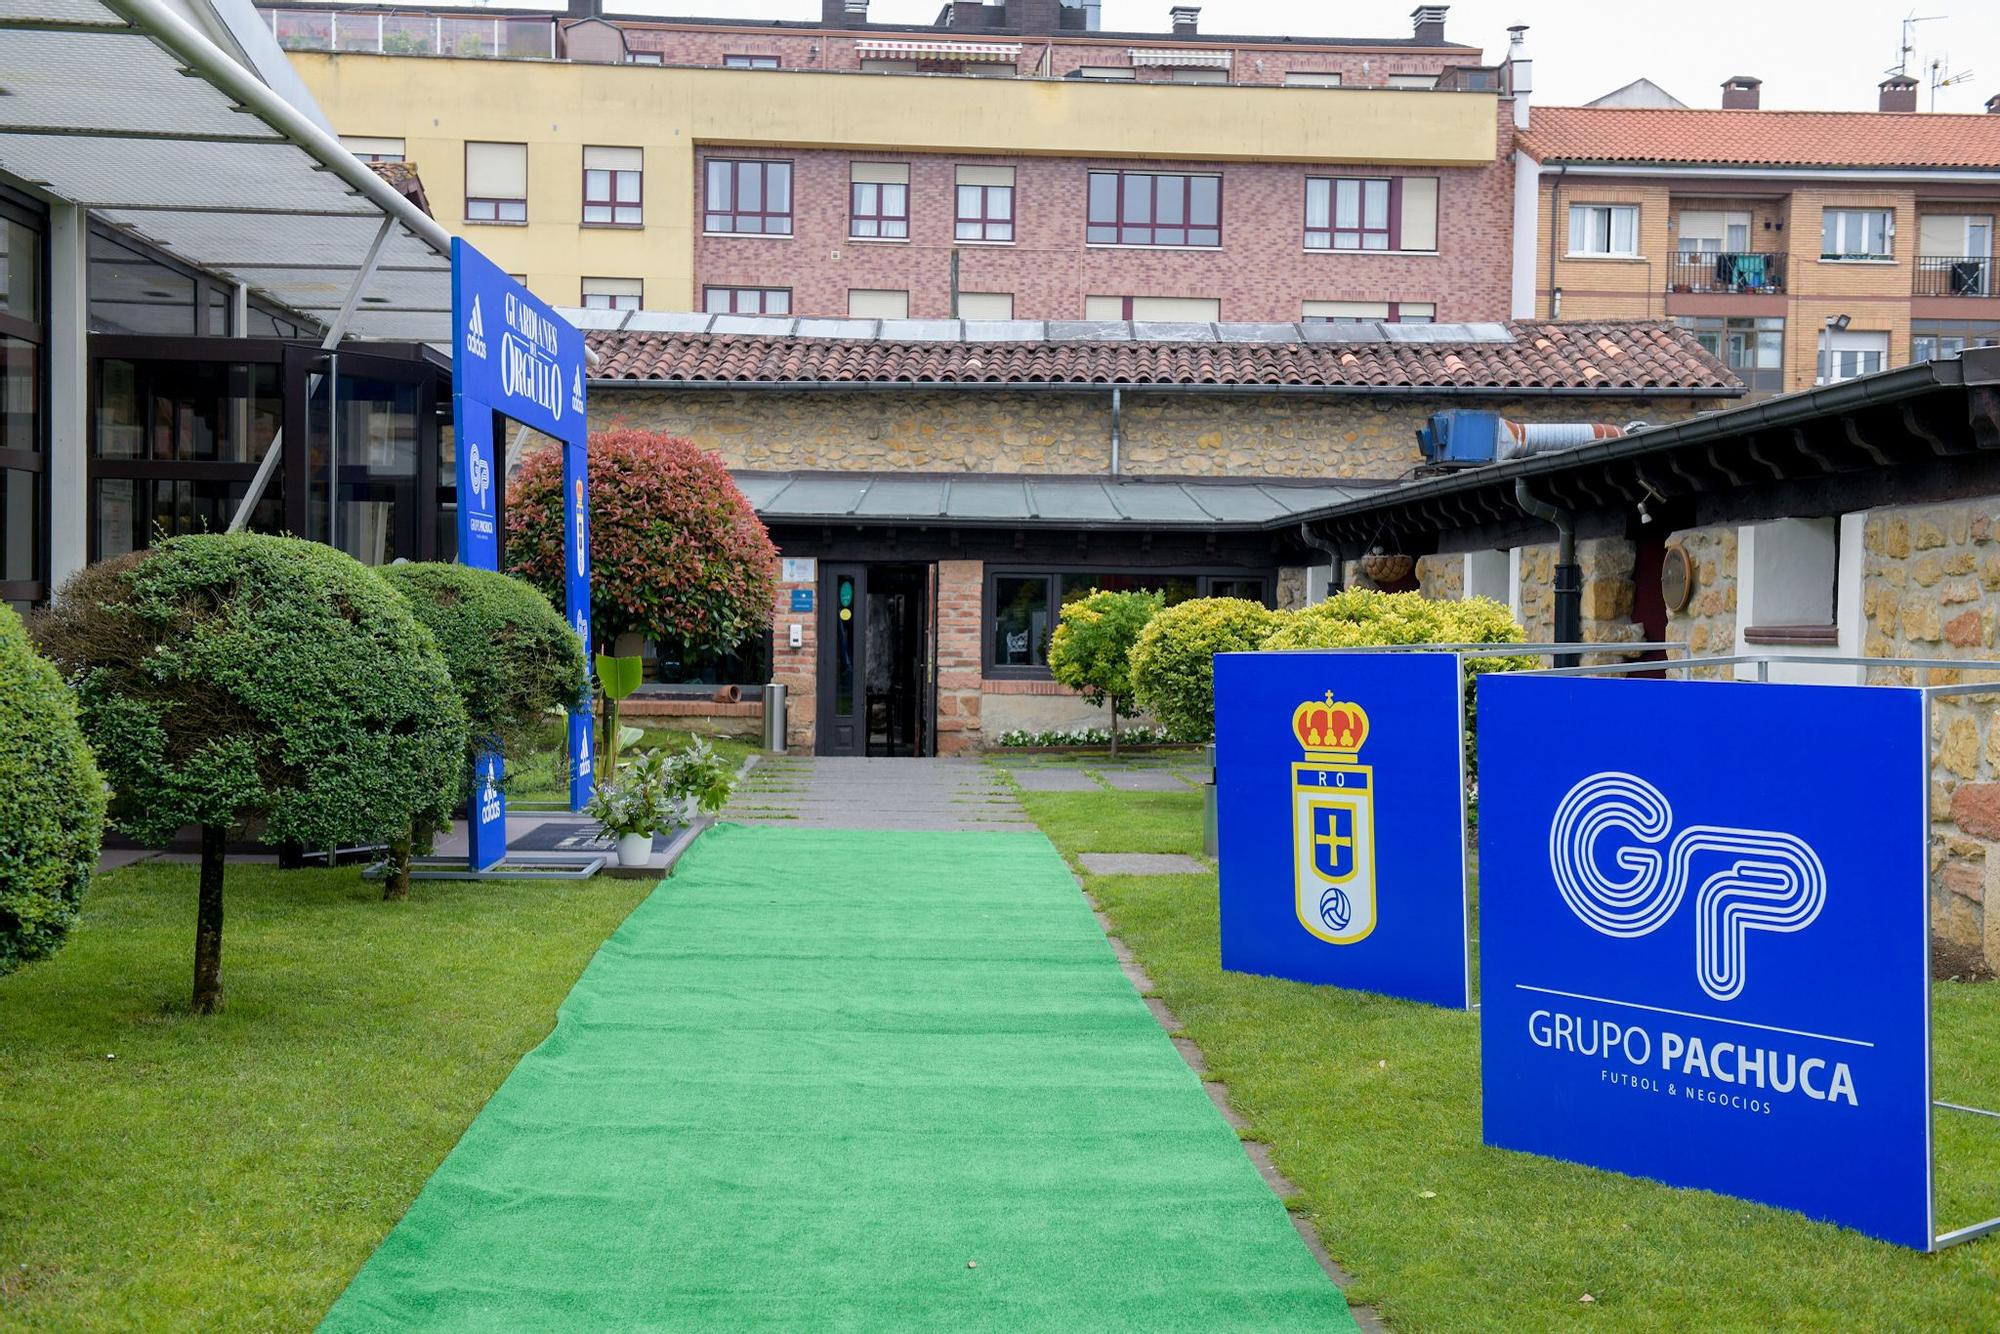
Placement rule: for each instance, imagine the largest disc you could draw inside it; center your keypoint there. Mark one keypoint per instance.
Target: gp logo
(1768, 881)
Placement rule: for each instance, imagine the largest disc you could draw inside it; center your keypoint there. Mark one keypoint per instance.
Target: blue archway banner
(513, 356)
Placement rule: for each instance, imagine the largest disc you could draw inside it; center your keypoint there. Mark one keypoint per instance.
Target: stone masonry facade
(1932, 590)
(1261, 271)
(1165, 434)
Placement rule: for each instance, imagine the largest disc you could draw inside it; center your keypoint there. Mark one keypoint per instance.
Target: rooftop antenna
(1909, 42)
(1942, 77)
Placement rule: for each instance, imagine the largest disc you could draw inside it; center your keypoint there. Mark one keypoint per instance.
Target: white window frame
(614, 293)
(1608, 215)
(1840, 225)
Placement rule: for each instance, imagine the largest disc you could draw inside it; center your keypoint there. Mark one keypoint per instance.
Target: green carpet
(858, 1080)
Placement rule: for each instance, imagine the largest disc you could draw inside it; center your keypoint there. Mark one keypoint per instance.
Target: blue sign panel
(486, 813)
(802, 599)
(1340, 820)
(479, 484)
(1704, 961)
(514, 353)
(576, 599)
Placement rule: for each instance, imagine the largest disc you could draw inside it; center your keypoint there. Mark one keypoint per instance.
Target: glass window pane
(1171, 199)
(999, 231)
(778, 302)
(1205, 200)
(1103, 198)
(1347, 203)
(778, 187)
(718, 188)
(1375, 205)
(1138, 199)
(20, 270)
(1019, 621)
(1319, 203)
(1000, 201)
(132, 293)
(968, 201)
(20, 524)
(20, 395)
(749, 187)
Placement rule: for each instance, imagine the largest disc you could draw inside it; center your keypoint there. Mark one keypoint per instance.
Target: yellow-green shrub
(1173, 664)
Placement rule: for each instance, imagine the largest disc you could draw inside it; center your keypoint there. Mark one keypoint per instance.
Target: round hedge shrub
(1173, 664)
(51, 803)
(511, 654)
(1091, 650)
(228, 678)
(677, 554)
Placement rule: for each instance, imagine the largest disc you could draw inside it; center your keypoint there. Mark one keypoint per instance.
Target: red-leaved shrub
(677, 554)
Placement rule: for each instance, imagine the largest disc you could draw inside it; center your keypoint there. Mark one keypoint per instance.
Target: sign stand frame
(1762, 664)
(515, 359)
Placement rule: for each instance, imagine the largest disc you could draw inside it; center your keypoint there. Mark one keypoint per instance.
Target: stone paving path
(820, 792)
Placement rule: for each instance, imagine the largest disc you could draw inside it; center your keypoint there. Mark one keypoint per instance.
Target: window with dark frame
(613, 187)
(23, 415)
(746, 300)
(985, 212)
(1154, 209)
(1023, 606)
(496, 182)
(749, 197)
(750, 62)
(1353, 213)
(879, 210)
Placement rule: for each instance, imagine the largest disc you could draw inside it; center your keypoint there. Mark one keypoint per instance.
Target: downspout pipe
(1336, 576)
(1569, 576)
(1117, 426)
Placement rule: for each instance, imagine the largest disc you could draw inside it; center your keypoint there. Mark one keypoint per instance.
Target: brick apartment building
(847, 168)
(1760, 229)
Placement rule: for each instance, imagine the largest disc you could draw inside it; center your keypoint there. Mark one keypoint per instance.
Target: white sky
(1811, 54)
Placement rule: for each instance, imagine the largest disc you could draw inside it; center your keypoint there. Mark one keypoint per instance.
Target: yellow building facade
(428, 109)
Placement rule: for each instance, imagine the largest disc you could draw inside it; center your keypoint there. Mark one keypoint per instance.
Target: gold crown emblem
(1330, 727)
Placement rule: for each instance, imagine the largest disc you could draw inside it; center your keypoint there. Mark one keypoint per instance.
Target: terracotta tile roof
(1605, 356)
(1762, 138)
(403, 175)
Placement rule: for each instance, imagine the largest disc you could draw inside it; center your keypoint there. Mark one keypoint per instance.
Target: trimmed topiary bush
(1173, 662)
(511, 655)
(51, 803)
(676, 552)
(1091, 651)
(227, 679)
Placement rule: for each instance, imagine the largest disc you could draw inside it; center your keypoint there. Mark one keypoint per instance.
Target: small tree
(511, 655)
(1091, 651)
(233, 678)
(51, 803)
(676, 552)
(1173, 664)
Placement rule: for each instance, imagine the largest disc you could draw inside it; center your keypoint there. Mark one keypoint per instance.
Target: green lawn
(1372, 1107)
(159, 1171)
(541, 777)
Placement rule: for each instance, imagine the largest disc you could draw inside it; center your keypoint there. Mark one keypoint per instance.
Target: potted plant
(636, 805)
(656, 791)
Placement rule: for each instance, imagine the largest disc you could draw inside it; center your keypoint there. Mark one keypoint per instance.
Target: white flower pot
(634, 849)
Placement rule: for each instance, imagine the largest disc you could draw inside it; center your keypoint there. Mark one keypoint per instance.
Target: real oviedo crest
(1333, 822)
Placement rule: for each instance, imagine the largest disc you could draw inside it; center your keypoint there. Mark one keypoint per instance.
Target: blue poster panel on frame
(1340, 820)
(1704, 945)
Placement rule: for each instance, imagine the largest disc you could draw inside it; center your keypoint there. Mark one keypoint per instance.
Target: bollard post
(774, 717)
(1208, 805)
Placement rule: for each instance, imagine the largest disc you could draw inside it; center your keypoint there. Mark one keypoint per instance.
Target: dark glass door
(843, 704)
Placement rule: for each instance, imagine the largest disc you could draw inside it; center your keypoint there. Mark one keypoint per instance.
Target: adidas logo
(475, 332)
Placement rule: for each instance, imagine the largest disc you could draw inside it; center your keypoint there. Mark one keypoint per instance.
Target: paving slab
(843, 793)
(1143, 780)
(1141, 863)
(1054, 780)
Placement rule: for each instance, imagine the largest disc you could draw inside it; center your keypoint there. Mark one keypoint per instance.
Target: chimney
(1520, 73)
(968, 13)
(842, 13)
(1899, 93)
(1036, 16)
(1184, 17)
(1742, 93)
(1993, 105)
(1430, 24)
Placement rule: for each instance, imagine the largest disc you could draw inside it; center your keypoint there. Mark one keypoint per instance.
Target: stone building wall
(1441, 578)
(1165, 434)
(1931, 589)
(1707, 625)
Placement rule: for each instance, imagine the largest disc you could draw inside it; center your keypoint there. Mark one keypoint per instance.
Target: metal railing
(471, 37)
(1741, 271)
(1954, 275)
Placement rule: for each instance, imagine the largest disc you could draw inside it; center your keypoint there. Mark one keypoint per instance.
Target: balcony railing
(412, 34)
(1725, 271)
(1954, 275)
